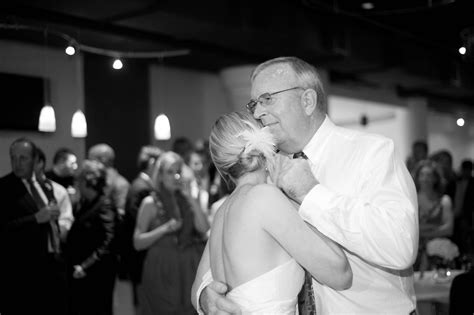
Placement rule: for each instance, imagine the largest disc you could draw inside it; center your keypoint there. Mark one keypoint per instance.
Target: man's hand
(213, 300)
(294, 177)
(48, 213)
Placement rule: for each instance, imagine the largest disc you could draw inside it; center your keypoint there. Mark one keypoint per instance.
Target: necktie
(306, 302)
(54, 238)
(299, 155)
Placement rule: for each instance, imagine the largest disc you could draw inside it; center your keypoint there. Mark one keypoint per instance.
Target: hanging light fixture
(78, 122)
(70, 50)
(47, 118)
(79, 125)
(162, 128)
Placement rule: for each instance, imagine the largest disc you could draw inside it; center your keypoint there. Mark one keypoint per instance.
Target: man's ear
(309, 101)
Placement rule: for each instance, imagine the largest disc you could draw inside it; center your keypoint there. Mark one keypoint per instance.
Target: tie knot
(299, 155)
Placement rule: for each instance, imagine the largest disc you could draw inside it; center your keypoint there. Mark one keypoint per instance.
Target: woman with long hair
(171, 226)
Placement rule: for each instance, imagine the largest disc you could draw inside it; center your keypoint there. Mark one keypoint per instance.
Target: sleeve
(206, 280)
(65, 218)
(379, 223)
(107, 219)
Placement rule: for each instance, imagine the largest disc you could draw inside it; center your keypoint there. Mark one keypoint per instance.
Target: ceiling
(406, 45)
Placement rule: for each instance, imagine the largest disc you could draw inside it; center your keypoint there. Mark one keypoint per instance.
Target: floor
(123, 298)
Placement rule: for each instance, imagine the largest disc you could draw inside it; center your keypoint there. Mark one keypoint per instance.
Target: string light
(70, 50)
(460, 122)
(117, 65)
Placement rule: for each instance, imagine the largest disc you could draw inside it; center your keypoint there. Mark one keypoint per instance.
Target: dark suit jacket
(28, 274)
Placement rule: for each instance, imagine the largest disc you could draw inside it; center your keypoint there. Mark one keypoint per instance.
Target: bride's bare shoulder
(266, 195)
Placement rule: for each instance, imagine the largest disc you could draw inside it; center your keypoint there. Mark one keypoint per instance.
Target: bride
(258, 244)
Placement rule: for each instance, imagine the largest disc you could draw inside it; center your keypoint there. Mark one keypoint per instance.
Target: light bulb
(367, 5)
(462, 50)
(460, 122)
(70, 50)
(79, 125)
(117, 65)
(47, 119)
(162, 128)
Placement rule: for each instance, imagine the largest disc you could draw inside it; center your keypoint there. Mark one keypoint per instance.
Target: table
(433, 295)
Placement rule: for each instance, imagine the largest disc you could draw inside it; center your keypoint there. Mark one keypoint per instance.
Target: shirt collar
(316, 144)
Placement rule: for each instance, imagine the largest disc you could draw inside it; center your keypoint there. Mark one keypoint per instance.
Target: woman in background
(92, 261)
(171, 225)
(434, 207)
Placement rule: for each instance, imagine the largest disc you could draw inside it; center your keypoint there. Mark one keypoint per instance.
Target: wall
(117, 108)
(445, 134)
(192, 101)
(66, 96)
(385, 119)
(394, 121)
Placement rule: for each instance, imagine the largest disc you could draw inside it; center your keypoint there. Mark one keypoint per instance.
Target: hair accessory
(260, 140)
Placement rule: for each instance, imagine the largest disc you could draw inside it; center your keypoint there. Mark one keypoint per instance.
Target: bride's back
(240, 249)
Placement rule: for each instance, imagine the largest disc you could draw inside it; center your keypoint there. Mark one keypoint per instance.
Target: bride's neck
(252, 178)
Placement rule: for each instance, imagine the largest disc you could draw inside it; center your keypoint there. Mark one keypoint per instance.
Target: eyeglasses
(266, 99)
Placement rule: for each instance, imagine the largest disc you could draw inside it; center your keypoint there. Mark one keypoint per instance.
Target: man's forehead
(274, 75)
(21, 148)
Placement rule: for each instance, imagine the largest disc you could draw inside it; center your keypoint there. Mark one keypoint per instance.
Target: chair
(461, 299)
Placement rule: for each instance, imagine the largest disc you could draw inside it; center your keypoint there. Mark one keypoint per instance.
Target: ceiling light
(462, 50)
(162, 128)
(47, 119)
(70, 50)
(79, 125)
(117, 65)
(367, 5)
(460, 122)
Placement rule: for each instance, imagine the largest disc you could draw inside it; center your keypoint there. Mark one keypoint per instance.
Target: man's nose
(259, 111)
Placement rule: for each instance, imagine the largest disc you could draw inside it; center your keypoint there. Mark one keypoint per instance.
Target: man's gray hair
(306, 74)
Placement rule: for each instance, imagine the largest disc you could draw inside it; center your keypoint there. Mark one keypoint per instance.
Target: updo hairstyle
(238, 145)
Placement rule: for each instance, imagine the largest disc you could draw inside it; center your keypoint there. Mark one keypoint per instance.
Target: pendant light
(162, 128)
(79, 123)
(47, 118)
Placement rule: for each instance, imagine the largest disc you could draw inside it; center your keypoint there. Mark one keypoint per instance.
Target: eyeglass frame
(252, 104)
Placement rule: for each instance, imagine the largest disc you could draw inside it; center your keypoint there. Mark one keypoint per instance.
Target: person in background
(89, 248)
(63, 171)
(31, 273)
(142, 186)
(170, 226)
(60, 194)
(445, 161)
(434, 207)
(419, 152)
(464, 209)
(117, 185)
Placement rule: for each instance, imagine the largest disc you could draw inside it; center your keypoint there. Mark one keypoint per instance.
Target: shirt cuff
(206, 280)
(314, 204)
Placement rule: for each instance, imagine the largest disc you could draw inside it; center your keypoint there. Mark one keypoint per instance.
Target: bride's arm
(323, 258)
(199, 281)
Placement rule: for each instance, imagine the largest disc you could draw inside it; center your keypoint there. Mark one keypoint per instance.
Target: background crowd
(67, 233)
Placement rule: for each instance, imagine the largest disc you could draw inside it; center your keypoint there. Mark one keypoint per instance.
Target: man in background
(117, 185)
(30, 272)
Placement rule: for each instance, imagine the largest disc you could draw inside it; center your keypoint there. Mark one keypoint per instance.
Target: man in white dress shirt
(352, 187)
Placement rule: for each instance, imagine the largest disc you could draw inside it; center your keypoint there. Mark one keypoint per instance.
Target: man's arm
(380, 223)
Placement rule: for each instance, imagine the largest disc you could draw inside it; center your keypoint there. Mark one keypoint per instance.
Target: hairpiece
(260, 140)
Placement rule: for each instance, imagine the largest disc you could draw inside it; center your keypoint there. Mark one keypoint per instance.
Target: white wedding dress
(274, 292)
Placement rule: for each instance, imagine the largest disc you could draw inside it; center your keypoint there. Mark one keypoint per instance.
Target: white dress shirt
(62, 198)
(366, 201)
